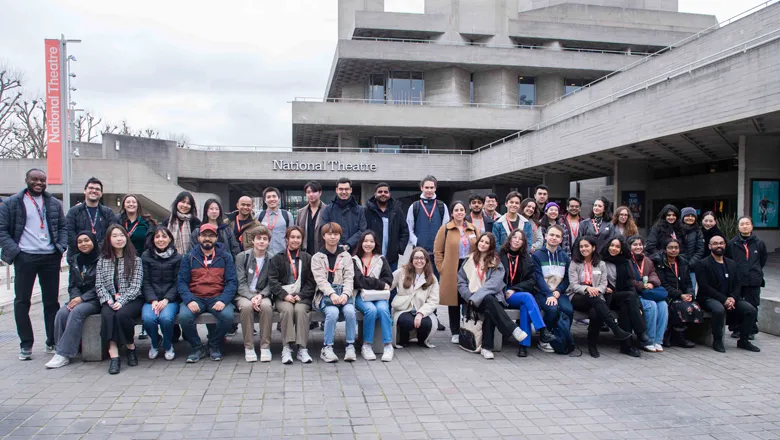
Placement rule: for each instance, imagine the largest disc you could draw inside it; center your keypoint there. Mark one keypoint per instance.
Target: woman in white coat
(417, 299)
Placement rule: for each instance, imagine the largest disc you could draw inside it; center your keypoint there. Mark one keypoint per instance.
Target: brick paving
(424, 393)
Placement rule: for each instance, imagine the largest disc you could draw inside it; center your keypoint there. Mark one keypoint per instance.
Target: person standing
(212, 214)
(308, 218)
(477, 216)
(385, 218)
(573, 220)
(425, 217)
(491, 206)
(541, 196)
(33, 237)
(720, 294)
(451, 247)
(599, 226)
(207, 283)
(254, 295)
(241, 219)
(552, 217)
(182, 221)
(347, 213)
(510, 221)
(623, 223)
(90, 215)
(750, 254)
(667, 225)
(135, 222)
(275, 219)
(531, 225)
(709, 228)
(694, 241)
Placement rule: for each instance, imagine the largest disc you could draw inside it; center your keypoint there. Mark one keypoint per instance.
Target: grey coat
(577, 276)
(493, 285)
(245, 272)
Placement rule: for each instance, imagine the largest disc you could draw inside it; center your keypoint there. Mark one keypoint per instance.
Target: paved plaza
(424, 393)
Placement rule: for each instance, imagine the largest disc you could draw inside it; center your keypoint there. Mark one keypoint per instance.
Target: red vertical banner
(54, 111)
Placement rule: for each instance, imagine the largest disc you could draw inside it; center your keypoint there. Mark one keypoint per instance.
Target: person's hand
(592, 291)
(609, 290)
(256, 301)
(343, 299)
(649, 286)
(193, 306)
(334, 299)
(74, 302)
(686, 297)
(387, 286)
(729, 304)
(291, 299)
(552, 301)
(116, 306)
(219, 305)
(158, 306)
(508, 294)
(418, 320)
(297, 298)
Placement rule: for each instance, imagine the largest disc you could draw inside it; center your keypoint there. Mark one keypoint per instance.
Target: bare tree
(30, 130)
(10, 94)
(87, 127)
(182, 140)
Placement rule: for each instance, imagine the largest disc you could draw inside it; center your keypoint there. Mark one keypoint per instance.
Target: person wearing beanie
(552, 217)
(692, 241)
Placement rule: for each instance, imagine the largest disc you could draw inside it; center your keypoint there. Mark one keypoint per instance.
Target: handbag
(470, 336)
(337, 289)
(374, 295)
(657, 294)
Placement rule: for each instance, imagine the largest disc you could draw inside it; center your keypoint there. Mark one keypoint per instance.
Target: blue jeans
(656, 316)
(551, 313)
(332, 316)
(165, 321)
(394, 292)
(190, 331)
(693, 281)
(526, 303)
(371, 310)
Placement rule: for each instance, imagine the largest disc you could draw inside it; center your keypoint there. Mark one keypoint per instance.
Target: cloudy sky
(220, 72)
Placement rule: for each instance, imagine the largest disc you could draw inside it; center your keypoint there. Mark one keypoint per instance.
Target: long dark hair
(409, 272)
(128, 252)
(184, 195)
(206, 207)
(525, 203)
(664, 227)
(607, 215)
(153, 233)
(359, 248)
(140, 214)
(624, 255)
(490, 257)
(577, 257)
(507, 246)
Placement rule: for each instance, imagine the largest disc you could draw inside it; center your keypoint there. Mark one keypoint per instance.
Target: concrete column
(347, 9)
(558, 185)
(633, 175)
(497, 87)
(450, 9)
(743, 187)
(449, 85)
(548, 88)
(759, 158)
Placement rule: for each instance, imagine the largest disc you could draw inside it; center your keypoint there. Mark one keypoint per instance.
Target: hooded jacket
(217, 281)
(663, 230)
(161, 275)
(83, 272)
(13, 217)
(693, 248)
(225, 236)
(350, 216)
(750, 255)
(551, 268)
(398, 233)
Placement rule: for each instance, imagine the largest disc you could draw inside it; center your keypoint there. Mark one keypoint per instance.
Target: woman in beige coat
(451, 247)
(417, 299)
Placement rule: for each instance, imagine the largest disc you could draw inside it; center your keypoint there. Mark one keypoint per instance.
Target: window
(392, 144)
(526, 86)
(471, 89)
(376, 88)
(396, 87)
(387, 144)
(572, 85)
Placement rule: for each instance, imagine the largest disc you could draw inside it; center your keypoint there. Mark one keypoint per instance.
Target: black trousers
(629, 310)
(752, 294)
(119, 325)
(454, 314)
(743, 313)
(598, 311)
(406, 325)
(494, 316)
(47, 269)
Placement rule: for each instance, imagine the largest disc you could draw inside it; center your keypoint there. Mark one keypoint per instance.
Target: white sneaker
(265, 355)
(286, 355)
(303, 355)
(659, 348)
(153, 353)
(455, 339)
(169, 354)
(487, 354)
(250, 355)
(57, 361)
(328, 355)
(349, 355)
(545, 347)
(368, 352)
(519, 334)
(387, 354)
(650, 348)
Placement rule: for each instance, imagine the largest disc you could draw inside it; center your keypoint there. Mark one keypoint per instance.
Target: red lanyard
(92, 221)
(429, 214)
(747, 251)
(674, 235)
(130, 232)
(574, 230)
(40, 211)
(480, 224)
(463, 238)
(271, 226)
(207, 261)
(366, 267)
(480, 273)
(512, 228)
(642, 267)
(292, 265)
(675, 270)
(595, 226)
(335, 266)
(513, 268)
(588, 269)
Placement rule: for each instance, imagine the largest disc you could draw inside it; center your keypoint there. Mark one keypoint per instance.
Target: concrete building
(593, 97)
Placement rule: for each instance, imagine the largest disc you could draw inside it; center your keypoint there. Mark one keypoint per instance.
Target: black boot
(546, 336)
(678, 338)
(718, 346)
(620, 334)
(745, 344)
(114, 365)
(132, 359)
(627, 349)
(522, 351)
(644, 340)
(593, 350)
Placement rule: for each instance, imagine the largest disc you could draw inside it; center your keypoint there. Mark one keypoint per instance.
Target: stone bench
(93, 349)
(698, 333)
(769, 315)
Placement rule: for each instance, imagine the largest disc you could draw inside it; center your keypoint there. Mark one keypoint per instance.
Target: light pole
(68, 122)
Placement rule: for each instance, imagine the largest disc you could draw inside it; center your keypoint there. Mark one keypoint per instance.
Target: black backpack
(285, 214)
(416, 210)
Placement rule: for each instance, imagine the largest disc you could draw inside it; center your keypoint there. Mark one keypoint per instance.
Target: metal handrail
(664, 50)
(499, 46)
(420, 103)
(688, 68)
(266, 149)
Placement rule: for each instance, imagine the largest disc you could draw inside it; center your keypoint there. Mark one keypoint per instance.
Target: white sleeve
(410, 222)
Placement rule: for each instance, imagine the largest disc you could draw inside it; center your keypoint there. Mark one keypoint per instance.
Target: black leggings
(629, 308)
(598, 310)
(494, 315)
(405, 325)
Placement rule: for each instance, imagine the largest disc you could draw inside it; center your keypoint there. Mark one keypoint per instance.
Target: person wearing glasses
(89, 216)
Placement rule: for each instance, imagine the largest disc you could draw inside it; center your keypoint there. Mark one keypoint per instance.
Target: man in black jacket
(719, 294)
(347, 213)
(385, 217)
(750, 254)
(89, 216)
(33, 238)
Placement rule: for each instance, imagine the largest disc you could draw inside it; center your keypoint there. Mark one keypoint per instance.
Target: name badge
(251, 271)
(596, 272)
(727, 275)
(472, 236)
(43, 237)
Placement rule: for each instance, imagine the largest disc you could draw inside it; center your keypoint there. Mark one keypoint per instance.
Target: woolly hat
(688, 211)
(550, 205)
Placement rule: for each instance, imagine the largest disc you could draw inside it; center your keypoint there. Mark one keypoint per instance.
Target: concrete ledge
(769, 315)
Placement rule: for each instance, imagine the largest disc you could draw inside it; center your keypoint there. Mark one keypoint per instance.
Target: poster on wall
(764, 198)
(635, 200)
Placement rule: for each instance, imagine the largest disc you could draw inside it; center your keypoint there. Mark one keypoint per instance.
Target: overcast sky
(220, 72)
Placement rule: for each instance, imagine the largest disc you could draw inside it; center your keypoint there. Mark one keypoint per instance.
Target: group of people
(340, 258)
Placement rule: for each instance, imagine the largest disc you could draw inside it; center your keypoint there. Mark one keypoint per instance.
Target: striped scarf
(180, 227)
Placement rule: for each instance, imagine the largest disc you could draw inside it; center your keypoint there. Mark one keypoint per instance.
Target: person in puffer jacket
(750, 254)
(161, 264)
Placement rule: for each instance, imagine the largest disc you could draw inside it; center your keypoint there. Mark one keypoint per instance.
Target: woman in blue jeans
(372, 272)
(334, 274)
(520, 280)
(651, 294)
(161, 271)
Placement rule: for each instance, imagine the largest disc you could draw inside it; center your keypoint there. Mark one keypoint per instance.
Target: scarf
(470, 268)
(181, 234)
(167, 253)
(709, 233)
(85, 260)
